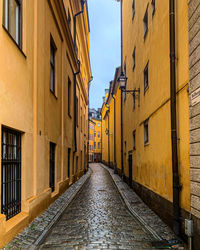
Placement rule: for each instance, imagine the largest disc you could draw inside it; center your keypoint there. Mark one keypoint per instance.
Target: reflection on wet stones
(98, 219)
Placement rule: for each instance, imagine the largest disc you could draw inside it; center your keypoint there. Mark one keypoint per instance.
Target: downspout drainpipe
(88, 123)
(176, 184)
(75, 107)
(122, 134)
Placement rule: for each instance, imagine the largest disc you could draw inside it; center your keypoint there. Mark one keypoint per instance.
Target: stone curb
(163, 232)
(31, 239)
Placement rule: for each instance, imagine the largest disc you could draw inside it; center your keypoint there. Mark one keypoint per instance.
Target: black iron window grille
(10, 172)
(52, 167)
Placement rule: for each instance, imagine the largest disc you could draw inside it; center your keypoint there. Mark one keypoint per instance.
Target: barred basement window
(10, 172)
(12, 19)
(52, 166)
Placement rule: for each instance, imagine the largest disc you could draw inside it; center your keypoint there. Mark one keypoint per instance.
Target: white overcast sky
(104, 18)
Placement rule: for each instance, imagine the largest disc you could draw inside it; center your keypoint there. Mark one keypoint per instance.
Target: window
(52, 65)
(12, 19)
(145, 21)
(94, 145)
(153, 6)
(94, 133)
(146, 77)
(133, 101)
(52, 166)
(69, 96)
(134, 140)
(99, 145)
(99, 134)
(69, 162)
(134, 59)
(133, 9)
(146, 132)
(11, 173)
(99, 125)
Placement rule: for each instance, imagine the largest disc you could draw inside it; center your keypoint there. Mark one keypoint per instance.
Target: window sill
(19, 48)
(53, 94)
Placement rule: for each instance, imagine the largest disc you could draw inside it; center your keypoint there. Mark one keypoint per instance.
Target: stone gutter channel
(33, 235)
(163, 235)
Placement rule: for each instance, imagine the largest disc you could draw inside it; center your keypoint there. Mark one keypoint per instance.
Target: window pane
(14, 20)
(52, 79)
(6, 14)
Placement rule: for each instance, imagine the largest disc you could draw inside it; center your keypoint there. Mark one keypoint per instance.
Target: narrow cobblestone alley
(98, 219)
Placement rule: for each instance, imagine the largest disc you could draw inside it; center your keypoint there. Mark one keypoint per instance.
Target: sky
(104, 18)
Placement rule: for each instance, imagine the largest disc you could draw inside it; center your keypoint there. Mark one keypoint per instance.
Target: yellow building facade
(91, 140)
(147, 145)
(145, 161)
(95, 151)
(111, 125)
(44, 74)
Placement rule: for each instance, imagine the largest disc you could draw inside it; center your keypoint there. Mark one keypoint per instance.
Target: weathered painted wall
(28, 105)
(152, 162)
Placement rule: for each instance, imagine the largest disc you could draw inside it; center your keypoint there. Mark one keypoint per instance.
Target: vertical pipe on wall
(122, 138)
(176, 184)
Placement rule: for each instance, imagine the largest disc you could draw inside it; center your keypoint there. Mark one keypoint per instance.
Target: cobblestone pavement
(145, 215)
(98, 219)
(30, 237)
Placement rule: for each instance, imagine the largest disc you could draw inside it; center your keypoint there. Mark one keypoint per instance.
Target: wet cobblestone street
(98, 219)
